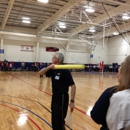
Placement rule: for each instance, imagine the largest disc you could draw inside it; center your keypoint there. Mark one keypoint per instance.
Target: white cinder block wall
(118, 49)
(114, 51)
(77, 52)
(12, 51)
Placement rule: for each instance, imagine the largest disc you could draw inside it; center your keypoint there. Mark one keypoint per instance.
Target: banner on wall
(27, 48)
(1, 51)
(52, 49)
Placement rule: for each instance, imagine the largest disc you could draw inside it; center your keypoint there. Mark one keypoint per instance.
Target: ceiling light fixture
(126, 17)
(43, 1)
(62, 26)
(89, 9)
(115, 33)
(86, 6)
(25, 18)
(92, 30)
(26, 21)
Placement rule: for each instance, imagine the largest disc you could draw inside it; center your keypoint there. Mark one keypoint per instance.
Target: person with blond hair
(118, 114)
(99, 111)
(22, 66)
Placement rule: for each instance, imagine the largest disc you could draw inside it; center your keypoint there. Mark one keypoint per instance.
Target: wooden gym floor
(25, 100)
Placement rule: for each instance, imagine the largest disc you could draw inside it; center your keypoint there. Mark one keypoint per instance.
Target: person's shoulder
(109, 92)
(122, 97)
(110, 89)
(122, 94)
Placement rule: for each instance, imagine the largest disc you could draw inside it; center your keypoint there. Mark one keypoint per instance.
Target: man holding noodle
(61, 80)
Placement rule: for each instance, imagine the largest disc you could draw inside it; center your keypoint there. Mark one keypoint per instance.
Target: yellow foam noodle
(69, 66)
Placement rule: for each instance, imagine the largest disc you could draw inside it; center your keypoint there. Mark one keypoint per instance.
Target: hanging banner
(27, 48)
(1, 51)
(52, 49)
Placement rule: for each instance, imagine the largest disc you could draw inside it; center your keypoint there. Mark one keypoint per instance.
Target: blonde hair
(120, 87)
(125, 81)
(125, 75)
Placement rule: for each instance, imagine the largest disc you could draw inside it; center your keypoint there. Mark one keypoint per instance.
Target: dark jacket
(99, 111)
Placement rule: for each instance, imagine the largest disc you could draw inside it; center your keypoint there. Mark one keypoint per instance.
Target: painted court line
(45, 92)
(36, 102)
(38, 127)
(29, 111)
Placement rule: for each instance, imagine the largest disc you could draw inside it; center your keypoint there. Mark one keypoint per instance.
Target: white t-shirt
(118, 115)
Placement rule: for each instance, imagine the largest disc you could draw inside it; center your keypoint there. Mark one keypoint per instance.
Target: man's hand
(44, 70)
(51, 66)
(72, 106)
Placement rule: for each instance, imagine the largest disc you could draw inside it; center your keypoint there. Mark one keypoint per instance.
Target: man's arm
(44, 70)
(72, 99)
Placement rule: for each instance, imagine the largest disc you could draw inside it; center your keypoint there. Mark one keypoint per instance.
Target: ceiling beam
(58, 14)
(7, 13)
(117, 2)
(120, 9)
(110, 31)
(42, 37)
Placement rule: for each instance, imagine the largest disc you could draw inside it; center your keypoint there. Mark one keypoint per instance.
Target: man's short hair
(60, 56)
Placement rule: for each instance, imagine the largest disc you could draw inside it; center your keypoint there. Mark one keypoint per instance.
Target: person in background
(118, 115)
(97, 67)
(29, 66)
(61, 80)
(0, 65)
(22, 66)
(94, 68)
(41, 67)
(4, 63)
(7, 66)
(36, 66)
(10, 66)
(32, 67)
